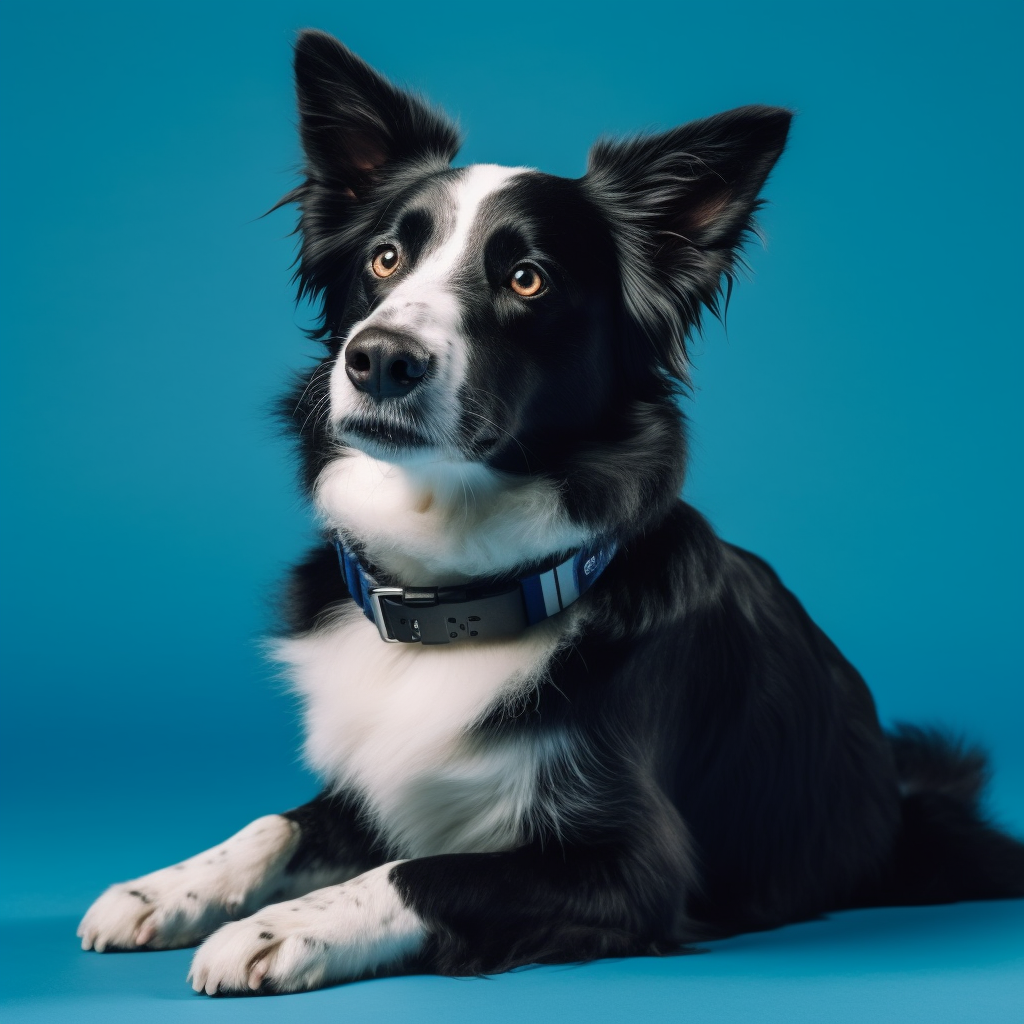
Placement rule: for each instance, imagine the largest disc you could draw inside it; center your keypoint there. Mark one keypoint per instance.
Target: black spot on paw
(191, 896)
(266, 935)
(141, 895)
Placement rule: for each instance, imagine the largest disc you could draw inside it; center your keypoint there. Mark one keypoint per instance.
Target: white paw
(180, 905)
(334, 934)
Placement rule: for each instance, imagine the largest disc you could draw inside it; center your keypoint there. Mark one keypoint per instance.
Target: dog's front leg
(273, 858)
(456, 913)
(338, 933)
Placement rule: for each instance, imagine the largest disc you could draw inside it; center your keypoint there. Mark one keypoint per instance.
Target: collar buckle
(376, 594)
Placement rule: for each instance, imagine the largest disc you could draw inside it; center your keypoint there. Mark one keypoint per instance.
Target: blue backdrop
(858, 424)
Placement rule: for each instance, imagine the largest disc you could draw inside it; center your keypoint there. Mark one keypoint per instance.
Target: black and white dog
(556, 717)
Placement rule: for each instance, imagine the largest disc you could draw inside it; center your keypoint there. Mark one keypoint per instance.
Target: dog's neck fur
(439, 523)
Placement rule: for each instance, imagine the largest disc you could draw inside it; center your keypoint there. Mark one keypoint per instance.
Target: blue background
(858, 424)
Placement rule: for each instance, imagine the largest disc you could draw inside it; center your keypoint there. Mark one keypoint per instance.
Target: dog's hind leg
(279, 856)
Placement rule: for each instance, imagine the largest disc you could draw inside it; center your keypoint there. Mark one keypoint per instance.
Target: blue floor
(937, 965)
(961, 964)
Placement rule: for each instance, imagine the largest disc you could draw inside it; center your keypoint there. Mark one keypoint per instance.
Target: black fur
(332, 834)
(738, 775)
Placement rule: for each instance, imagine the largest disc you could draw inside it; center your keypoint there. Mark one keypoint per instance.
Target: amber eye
(385, 263)
(526, 281)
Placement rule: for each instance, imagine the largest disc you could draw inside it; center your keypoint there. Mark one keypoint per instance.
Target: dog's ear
(680, 205)
(354, 123)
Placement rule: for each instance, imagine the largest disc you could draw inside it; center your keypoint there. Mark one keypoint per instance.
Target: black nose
(385, 364)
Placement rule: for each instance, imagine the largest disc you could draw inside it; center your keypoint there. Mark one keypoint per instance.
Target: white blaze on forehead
(479, 181)
(427, 285)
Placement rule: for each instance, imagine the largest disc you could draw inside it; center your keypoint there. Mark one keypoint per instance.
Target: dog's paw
(335, 934)
(180, 905)
(141, 913)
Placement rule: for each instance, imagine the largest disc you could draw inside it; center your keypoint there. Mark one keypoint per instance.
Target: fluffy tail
(947, 850)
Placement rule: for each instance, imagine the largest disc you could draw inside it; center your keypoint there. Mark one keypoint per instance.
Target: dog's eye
(526, 281)
(385, 263)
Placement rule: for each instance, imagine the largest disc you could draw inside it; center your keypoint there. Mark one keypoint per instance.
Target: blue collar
(443, 615)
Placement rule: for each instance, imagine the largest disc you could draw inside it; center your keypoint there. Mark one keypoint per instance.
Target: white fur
(425, 304)
(443, 523)
(391, 722)
(334, 934)
(178, 905)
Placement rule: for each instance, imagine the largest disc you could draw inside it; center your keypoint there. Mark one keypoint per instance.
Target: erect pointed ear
(353, 122)
(680, 205)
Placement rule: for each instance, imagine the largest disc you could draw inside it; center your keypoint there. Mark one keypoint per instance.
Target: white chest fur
(391, 721)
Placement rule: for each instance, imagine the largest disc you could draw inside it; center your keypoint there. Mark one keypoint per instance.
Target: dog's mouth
(381, 437)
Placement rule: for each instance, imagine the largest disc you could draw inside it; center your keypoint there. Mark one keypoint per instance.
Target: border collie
(555, 716)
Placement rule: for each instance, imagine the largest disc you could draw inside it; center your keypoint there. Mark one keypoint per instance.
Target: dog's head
(501, 316)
